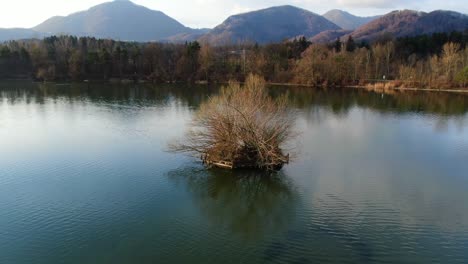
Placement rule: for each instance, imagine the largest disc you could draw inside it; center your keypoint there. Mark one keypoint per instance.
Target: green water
(85, 178)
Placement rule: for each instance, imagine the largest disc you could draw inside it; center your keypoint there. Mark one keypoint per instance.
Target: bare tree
(450, 59)
(243, 127)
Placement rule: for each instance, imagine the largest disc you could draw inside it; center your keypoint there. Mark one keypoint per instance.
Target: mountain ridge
(278, 23)
(119, 19)
(402, 23)
(346, 20)
(127, 21)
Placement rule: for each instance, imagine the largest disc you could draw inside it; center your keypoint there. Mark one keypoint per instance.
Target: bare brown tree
(241, 127)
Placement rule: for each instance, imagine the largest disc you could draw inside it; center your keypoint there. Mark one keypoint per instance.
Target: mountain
(18, 33)
(120, 19)
(441, 21)
(329, 36)
(126, 21)
(346, 20)
(412, 23)
(268, 25)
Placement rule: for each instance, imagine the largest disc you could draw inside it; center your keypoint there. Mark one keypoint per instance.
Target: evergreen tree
(350, 44)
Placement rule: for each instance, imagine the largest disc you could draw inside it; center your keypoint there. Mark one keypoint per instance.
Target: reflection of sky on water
(375, 180)
(377, 175)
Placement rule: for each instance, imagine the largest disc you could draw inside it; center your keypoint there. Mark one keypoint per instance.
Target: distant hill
(120, 19)
(441, 21)
(269, 25)
(329, 36)
(18, 33)
(187, 37)
(126, 21)
(412, 23)
(346, 20)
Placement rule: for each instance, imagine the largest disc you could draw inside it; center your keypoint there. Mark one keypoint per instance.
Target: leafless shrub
(387, 88)
(243, 126)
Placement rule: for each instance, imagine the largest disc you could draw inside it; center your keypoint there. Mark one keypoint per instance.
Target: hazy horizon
(209, 13)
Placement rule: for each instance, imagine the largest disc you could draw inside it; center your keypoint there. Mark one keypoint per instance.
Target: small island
(242, 127)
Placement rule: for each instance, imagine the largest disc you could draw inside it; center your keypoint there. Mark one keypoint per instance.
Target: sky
(209, 13)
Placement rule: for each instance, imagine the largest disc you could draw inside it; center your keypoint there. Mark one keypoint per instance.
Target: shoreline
(386, 89)
(455, 90)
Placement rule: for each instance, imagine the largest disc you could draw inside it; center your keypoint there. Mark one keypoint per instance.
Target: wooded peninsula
(438, 61)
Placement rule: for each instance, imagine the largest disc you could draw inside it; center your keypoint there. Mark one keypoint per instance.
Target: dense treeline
(439, 60)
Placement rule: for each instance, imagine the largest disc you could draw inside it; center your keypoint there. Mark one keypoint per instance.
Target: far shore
(363, 87)
(454, 90)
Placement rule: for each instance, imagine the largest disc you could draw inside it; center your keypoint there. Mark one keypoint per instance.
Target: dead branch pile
(242, 126)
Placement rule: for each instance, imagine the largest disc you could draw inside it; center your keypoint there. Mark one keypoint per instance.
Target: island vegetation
(242, 127)
(430, 61)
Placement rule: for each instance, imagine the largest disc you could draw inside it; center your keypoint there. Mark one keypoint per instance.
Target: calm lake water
(85, 178)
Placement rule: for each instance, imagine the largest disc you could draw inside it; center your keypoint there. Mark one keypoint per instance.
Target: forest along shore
(438, 61)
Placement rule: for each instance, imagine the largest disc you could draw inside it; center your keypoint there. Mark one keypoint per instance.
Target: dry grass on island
(242, 127)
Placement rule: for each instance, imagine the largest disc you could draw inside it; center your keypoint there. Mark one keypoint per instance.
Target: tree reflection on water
(246, 202)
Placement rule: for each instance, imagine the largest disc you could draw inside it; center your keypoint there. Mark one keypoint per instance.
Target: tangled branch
(242, 125)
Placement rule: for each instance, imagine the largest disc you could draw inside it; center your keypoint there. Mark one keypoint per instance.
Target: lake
(85, 178)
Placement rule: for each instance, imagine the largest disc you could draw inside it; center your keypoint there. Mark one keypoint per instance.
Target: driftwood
(239, 164)
(242, 127)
